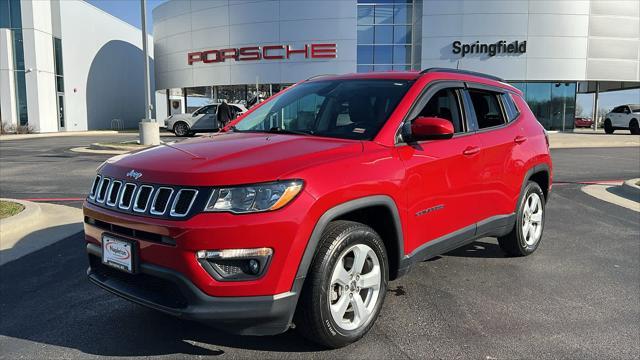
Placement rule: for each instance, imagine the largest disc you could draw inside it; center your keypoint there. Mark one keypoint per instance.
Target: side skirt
(494, 226)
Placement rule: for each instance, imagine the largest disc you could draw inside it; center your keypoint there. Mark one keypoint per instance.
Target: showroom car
(582, 122)
(202, 120)
(624, 117)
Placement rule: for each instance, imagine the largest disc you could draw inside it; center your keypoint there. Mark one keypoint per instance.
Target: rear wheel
(181, 129)
(608, 128)
(527, 232)
(633, 127)
(345, 285)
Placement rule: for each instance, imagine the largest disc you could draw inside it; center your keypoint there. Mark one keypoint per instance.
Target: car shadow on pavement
(478, 249)
(46, 298)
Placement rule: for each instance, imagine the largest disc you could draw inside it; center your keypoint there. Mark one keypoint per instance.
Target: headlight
(253, 198)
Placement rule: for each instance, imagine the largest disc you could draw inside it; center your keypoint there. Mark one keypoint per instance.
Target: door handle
(520, 139)
(471, 150)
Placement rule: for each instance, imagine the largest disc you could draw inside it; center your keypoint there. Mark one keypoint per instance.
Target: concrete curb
(631, 188)
(123, 147)
(58, 134)
(86, 150)
(42, 225)
(13, 224)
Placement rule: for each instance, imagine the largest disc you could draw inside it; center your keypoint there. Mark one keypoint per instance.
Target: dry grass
(8, 208)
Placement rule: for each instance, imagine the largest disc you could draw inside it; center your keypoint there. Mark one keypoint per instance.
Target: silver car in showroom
(204, 119)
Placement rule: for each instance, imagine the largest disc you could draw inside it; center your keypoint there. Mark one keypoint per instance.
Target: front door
(207, 119)
(442, 175)
(62, 126)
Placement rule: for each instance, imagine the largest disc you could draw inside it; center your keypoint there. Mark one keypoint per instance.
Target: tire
(608, 128)
(523, 241)
(181, 129)
(342, 243)
(634, 127)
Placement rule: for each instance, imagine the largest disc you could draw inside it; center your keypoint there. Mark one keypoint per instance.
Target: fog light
(235, 264)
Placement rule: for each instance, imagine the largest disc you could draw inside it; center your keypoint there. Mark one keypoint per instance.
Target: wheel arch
(540, 174)
(370, 211)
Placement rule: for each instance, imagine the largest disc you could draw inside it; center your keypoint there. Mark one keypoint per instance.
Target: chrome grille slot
(102, 192)
(112, 199)
(127, 196)
(94, 187)
(183, 201)
(161, 200)
(142, 198)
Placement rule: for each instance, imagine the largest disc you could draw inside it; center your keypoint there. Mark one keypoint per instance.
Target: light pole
(149, 130)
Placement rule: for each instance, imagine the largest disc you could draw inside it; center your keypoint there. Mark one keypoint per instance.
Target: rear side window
(487, 108)
(510, 107)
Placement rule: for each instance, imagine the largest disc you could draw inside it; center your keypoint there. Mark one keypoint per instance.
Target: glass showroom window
(553, 104)
(384, 35)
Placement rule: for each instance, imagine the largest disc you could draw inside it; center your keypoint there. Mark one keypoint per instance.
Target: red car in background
(583, 122)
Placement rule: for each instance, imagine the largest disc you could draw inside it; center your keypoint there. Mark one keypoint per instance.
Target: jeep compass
(301, 211)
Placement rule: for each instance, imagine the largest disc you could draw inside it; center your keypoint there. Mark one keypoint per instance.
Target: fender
(335, 212)
(535, 169)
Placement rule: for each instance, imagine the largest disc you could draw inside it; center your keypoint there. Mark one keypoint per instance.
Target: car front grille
(172, 202)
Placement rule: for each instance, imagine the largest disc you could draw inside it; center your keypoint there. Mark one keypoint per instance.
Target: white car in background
(623, 117)
(204, 119)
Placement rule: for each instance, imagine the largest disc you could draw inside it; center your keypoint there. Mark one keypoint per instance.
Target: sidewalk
(593, 140)
(38, 226)
(64, 133)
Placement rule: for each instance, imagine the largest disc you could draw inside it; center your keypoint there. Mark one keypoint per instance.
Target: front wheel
(345, 287)
(608, 127)
(526, 235)
(181, 129)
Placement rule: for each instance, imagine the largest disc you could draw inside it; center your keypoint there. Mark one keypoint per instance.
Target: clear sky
(127, 10)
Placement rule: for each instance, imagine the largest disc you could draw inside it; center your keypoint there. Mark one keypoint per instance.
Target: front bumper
(170, 292)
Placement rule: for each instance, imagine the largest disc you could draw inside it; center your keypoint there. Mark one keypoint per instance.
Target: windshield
(347, 109)
(635, 108)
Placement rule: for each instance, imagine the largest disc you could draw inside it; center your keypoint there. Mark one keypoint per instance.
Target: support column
(595, 107)
(8, 111)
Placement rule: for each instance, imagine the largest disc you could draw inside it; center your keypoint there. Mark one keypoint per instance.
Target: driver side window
(445, 104)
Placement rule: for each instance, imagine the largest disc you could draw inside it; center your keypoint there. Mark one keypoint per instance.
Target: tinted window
(350, 109)
(487, 108)
(444, 104)
(635, 108)
(510, 107)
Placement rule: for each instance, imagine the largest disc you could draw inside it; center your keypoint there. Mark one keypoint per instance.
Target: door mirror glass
(430, 128)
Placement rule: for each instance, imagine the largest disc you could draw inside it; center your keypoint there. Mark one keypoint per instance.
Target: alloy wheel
(532, 219)
(354, 287)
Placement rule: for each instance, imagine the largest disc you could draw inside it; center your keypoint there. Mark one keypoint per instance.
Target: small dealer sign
(500, 47)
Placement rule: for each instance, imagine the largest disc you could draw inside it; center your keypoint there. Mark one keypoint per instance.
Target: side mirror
(430, 128)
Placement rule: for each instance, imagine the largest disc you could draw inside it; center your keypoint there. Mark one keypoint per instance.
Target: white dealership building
(206, 50)
(66, 65)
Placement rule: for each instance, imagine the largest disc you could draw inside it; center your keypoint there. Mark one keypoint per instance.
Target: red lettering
(228, 54)
(249, 53)
(265, 49)
(323, 51)
(194, 57)
(207, 60)
(301, 51)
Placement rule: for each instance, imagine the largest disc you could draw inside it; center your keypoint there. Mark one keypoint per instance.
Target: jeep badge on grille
(134, 174)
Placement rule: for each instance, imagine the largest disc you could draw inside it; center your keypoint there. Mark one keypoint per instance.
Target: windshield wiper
(279, 130)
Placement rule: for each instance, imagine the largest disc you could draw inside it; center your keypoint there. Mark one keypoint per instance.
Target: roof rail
(458, 71)
(320, 75)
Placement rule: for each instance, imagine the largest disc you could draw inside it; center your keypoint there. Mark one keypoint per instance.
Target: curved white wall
(183, 26)
(566, 39)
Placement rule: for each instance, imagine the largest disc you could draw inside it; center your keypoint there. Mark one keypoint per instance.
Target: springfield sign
(500, 47)
(267, 52)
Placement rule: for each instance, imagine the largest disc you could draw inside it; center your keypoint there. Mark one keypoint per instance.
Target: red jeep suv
(302, 210)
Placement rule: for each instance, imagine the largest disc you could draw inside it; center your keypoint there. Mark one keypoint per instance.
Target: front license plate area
(118, 253)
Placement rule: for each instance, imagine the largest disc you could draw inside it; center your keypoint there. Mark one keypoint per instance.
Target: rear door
(442, 175)
(501, 137)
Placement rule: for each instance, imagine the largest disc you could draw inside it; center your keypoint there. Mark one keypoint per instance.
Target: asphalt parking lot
(578, 296)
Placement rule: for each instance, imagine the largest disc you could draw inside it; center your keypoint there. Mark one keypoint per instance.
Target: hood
(230, 159)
